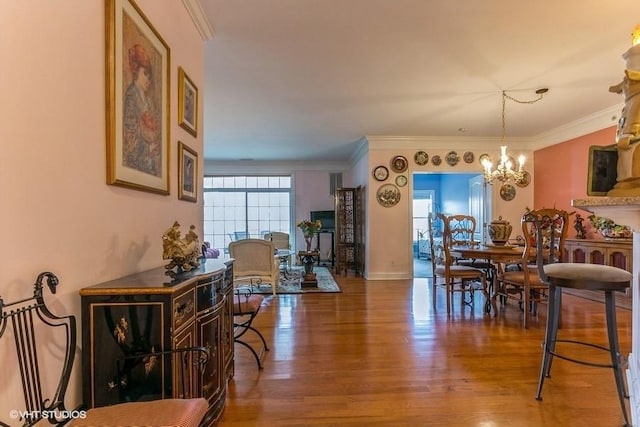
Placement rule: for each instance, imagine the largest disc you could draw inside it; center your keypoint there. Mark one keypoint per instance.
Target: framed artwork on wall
(137, 100)
(602, 171)
(187, 173)
(187, 103)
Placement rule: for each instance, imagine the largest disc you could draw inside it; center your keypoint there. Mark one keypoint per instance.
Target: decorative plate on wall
(388, 195)
(421, 158)
(526, 180)
(401, 180)
(436, 160)
(452, 158)
(507, 192)
(468, 157)
(380, 173)
(399, 164)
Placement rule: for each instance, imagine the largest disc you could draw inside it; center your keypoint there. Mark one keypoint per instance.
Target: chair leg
(243, 328)
(614, 348)
(548, 346)
(448, 288)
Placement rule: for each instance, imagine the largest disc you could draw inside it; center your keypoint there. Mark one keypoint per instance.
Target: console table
(153, 311)
(613, 252)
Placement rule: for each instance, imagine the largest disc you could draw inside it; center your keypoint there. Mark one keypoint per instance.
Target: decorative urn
(499, 231)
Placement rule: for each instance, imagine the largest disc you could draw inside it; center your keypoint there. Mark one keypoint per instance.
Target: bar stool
(592, 277)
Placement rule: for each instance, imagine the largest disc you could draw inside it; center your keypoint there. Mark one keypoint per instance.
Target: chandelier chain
(506, 96)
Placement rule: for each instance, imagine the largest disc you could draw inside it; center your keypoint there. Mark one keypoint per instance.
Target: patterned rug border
(326, 283)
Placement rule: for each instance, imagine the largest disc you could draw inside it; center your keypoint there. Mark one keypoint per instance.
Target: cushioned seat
(170, 412)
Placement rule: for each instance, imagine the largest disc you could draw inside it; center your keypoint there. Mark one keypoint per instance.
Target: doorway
(447, 193)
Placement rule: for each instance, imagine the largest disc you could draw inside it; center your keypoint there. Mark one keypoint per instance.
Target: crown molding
(583, 126)
(194, 7)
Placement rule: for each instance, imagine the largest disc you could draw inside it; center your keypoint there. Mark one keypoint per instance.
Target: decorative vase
(308, 240)
(499, 231)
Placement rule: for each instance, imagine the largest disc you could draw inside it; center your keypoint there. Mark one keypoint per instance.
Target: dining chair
(446, 273)
(463, 230)
(524, 283)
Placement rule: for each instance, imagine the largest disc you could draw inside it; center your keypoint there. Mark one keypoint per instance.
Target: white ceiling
(307, 79)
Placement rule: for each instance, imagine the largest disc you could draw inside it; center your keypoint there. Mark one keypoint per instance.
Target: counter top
(622, 210)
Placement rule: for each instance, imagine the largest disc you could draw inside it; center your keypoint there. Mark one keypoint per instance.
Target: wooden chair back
(462, 229)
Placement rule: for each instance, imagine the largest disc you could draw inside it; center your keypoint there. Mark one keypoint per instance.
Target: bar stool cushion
(588, 276)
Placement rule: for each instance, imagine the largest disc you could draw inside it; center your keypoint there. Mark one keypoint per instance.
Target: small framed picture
(602, 169)
(187, 173)
(187, 103)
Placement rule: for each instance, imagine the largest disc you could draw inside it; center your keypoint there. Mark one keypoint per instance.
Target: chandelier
(507, 170)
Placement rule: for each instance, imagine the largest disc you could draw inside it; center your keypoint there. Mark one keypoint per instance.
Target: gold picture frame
(137, 100)
(187, 173)
(187, 103)
(602, 169)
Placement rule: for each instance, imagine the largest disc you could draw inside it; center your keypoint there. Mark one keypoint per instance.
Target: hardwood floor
(379, 354)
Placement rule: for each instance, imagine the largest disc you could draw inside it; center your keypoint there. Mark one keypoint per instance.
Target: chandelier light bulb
(635, 36)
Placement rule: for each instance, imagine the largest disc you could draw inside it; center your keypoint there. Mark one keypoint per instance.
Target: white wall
(58, 212)
(389, 228)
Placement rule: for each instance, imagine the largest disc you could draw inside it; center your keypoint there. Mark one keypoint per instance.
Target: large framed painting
(187, 173)
(137, 95)
(187, 103)
(602, 169)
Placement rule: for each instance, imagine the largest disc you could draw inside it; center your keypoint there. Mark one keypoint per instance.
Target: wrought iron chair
(524, 284)
(32, 326)
(246, 306)
(446, 273)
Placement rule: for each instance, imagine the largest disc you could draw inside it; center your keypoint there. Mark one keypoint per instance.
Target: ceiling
(308, 79)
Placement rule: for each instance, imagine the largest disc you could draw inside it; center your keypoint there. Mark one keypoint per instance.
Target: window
(422, 207)
(238, 207)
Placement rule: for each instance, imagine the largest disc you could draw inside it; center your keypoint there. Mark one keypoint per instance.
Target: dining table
(493, 255)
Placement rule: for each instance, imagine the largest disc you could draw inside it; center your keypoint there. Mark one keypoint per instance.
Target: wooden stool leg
(549, 344)
(614, 348)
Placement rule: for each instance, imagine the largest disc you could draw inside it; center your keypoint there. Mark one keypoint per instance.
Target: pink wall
(560, 172)
(58, 212)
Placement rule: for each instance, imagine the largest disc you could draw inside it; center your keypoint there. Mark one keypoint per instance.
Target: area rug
(291, 283)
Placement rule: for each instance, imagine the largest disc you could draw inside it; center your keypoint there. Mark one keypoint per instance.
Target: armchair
(255, 262)
(283, 246)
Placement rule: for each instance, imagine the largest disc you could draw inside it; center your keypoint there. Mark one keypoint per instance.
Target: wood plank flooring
(380, 354)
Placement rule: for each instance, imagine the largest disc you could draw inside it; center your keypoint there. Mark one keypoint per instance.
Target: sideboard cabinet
(613, 252)
(155, 311)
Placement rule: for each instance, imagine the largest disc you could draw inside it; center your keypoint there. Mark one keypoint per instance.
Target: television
(327, 218)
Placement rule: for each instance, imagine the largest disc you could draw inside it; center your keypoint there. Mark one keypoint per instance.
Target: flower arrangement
(608, 228)
(309, 229)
